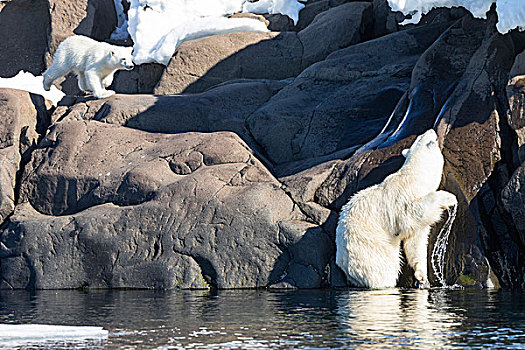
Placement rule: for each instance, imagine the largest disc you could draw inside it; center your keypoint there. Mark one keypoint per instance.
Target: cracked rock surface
(117, 207)
(22, 117)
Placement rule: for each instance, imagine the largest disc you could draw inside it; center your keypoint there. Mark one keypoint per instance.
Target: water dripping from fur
(440, 247)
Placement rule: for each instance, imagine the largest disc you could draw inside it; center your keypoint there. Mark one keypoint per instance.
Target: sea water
(251, 319)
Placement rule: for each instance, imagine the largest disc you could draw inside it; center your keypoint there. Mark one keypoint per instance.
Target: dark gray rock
(385, 21)
(513, 198)
(516, 99)
(279, 23)
(341, 102)
(141, 80)
(338, 27)
(308, 13)
(470, 121)
(313, 8)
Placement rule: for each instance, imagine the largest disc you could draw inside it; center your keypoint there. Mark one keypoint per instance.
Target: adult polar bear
(93, 62)
(401, 209)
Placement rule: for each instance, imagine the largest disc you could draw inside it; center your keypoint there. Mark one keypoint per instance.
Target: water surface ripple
(322, 319)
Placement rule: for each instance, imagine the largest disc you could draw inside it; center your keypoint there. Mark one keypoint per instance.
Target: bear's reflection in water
(398, 318)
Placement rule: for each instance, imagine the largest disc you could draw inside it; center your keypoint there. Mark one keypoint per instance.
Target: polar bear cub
(92, 61)
(399, 210)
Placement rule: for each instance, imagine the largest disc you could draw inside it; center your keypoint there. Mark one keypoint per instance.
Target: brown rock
(93, 18)
(222, 108)
(516, 99)
(260, 18)
(23, 43)
(200, 64)
(109, 206)
(20, 122)
(32, 30)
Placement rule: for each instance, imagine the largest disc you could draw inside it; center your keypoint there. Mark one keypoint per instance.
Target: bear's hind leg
(82, 85)
(95, 85)
(415, 247)
(54, 72)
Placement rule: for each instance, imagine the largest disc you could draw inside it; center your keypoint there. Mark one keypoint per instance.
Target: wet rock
(513, 197)
(457, 86)
(109, 206)
(22, 117)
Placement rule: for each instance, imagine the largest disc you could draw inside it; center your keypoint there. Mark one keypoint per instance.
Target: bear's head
(121, 57)
(425, 155)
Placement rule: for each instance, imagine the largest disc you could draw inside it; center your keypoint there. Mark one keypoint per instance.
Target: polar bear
(401, 209)
(93, 62)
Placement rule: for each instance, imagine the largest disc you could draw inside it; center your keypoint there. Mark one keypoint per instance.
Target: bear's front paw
(105, 94)
(107, 82)
(421, 279)
(447, 199)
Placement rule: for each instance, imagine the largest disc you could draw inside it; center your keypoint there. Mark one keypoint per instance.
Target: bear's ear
(405, 152)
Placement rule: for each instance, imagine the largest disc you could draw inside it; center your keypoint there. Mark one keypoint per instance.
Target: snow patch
(511, 13)
(285, 7)
(28, 82)
(158, 27)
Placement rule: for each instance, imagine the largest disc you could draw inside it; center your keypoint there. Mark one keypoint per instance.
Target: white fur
(93, 62)
(401, 209)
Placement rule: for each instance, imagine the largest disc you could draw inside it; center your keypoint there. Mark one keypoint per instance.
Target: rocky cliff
(228, 167)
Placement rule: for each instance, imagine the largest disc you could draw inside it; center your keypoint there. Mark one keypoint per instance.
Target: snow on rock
(158, 27)
(28, 82)
(121, 32)
(13, 334)
(511, 13)
(285, 7)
